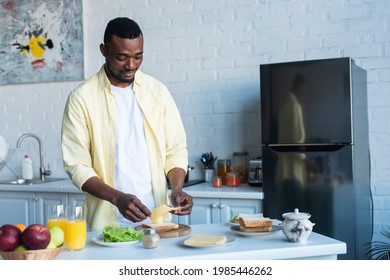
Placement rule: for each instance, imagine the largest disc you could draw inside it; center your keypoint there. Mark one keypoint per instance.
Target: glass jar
(223, 167)
(217, 182)
(232, 179)
(150, 239)
(240, 165)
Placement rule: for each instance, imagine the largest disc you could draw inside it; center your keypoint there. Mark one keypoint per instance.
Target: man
(291, 167)
(122, 135)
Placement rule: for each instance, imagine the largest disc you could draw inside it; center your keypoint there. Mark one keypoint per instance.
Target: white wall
(208, 54)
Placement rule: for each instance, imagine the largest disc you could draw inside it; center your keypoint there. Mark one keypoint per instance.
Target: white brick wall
(208, 54)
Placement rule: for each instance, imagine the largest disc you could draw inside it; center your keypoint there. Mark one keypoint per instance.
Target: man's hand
(183, 201)
(178, 197)
(128, 205)
(132, 208)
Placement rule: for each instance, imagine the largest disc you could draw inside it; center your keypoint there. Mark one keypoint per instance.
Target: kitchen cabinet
(219, 210)
(76, 198)
(42, 200)
(17, 208)
(27, 208)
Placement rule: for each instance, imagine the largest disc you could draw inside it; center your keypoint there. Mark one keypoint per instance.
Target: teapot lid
(296, 215)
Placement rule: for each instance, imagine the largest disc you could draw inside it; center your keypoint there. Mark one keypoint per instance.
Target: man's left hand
(183, 201)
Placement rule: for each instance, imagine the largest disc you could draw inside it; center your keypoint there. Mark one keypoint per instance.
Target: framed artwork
(41, 41)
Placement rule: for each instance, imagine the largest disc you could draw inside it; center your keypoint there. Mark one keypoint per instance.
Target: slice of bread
(250, 216)
(255, 229)
(162, 226)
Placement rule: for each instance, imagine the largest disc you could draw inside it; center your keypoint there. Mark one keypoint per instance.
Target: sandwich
(254, 223)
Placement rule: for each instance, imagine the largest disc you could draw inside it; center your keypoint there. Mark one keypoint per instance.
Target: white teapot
(296, 226)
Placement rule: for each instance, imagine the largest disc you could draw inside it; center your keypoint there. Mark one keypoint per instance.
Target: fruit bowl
(44, 254)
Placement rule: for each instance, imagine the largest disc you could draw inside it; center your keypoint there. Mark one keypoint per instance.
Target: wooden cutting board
(182, 230)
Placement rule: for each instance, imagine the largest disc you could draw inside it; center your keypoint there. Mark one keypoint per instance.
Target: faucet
(42, 170)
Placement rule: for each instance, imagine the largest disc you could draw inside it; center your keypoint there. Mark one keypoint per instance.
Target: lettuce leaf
(233, 219)
(121, 234)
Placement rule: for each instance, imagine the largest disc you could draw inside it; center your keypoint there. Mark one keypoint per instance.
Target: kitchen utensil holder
(208, 175)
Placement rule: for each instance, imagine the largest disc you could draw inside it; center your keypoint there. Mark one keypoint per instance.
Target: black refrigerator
(315, 147)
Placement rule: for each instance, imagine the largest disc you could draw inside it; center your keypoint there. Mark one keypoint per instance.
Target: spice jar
(217, 182)
(223, 168)
(239, 165)
(232, 179)
(150, 239)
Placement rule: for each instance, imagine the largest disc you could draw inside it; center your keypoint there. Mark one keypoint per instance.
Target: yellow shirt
(291, 166)
(89, 137)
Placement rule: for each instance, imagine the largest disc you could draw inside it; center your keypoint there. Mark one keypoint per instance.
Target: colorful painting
(41, 41)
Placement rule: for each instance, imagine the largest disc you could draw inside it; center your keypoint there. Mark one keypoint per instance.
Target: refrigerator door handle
(299, 148)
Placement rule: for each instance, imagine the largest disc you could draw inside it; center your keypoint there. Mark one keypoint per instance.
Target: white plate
(3, 148)
(233, 224)
(229, 240)
(100, 241)
(275, 229)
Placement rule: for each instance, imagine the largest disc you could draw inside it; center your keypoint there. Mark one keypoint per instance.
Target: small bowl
(44, 254)
(296, 226)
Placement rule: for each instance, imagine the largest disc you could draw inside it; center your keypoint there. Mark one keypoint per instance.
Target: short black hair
(122, 27)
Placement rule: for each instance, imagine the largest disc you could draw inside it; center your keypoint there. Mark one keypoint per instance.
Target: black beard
(116, 76)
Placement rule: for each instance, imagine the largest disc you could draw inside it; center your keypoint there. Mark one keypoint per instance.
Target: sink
(29, 182)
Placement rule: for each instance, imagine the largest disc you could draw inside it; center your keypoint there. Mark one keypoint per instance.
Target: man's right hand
(128, 205)
(132, 208)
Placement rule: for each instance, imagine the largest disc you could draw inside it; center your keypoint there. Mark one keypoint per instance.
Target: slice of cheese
(205, 240)
(157, 216)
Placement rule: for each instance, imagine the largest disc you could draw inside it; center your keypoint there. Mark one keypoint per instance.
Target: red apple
(9, 237)
(35, 237)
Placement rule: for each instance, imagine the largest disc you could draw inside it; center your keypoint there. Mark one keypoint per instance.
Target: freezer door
(306, 102)
(316, 180)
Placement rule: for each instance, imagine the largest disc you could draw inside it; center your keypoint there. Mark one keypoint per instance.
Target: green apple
(20, 248)
(51, 245)
(57, 235)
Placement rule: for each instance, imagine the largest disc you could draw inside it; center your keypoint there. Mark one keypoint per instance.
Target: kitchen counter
(243, 191)
(200, 190)
(268, 247)
(211, 205)
(62, 186)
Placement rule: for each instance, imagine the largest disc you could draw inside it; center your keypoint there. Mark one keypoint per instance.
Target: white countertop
(269, 247)
(63, 186)
(201, 190)
(243, 191)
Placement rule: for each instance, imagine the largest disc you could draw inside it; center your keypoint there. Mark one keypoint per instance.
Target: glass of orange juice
(76, 228)
(56, 216)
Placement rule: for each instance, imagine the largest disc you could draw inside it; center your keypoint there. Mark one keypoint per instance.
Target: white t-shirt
(132, 172)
